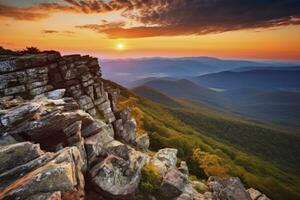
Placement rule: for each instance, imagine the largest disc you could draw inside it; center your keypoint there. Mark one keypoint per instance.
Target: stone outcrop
(77, 76)
(61, 134)
(59, 104)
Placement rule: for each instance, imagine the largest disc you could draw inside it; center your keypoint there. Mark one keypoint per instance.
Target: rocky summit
(62, 136)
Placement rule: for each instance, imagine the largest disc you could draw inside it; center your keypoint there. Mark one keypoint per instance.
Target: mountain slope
(261, 79)
(155, 96)
(260, 156)
(187, 89)
(285, 68)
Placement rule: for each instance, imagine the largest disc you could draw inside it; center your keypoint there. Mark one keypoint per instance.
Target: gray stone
(254, 194)
(40, 90)
(93, 128)
(17, 154)
(228, 189)
(46, 196)
(63, 174)
(142, 142)
(117, 176)
(199, 186)
(183, 168)
(56, 94)
(174, 183)
(14, 90)
(167, 156)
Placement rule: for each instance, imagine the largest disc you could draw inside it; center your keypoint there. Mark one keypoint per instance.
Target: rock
(14, 90)
(142, 142)
(125, 127)
(49, 122)
(46, 196)
(93, 128)
(19, 113)
(183, 168)
(173, 184)
(256, 195)
(167, 156)
(263, 197)
(63, 174)
(19, 171)
(159, 165)
(95, 145)
(6, 140)
(9, 101)
(117, 176)
(199, 186)
(229, 188)
(56, 94)
(18, 154)
(117, 148)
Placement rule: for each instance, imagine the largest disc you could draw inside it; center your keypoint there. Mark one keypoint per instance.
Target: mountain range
(125, 71)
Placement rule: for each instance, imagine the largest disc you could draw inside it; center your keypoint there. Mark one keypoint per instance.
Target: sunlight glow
(120, 46)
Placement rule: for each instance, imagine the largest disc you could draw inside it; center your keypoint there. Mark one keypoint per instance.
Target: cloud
(45, 10)
(35, 12)
(49, 31)
(104, 25)
(169, 17)
(197, 17)
(65, 33)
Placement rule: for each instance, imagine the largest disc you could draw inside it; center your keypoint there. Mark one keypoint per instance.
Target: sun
(120, 46)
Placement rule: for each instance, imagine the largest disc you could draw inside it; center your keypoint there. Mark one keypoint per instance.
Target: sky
(244, 29)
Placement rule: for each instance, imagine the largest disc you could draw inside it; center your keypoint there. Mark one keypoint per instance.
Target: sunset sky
(252, 29)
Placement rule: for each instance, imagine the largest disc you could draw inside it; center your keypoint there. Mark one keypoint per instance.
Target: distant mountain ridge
(187, 89)
(276, 106)
(261, 79)
(125, 71)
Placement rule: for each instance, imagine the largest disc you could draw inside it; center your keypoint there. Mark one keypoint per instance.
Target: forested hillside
(227, 147)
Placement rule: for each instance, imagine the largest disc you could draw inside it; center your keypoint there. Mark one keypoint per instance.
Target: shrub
(210, 163)
(151, 179)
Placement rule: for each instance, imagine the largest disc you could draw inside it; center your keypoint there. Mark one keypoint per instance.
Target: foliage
(189, 129)
(7, 52)
(210, 163)
(30, 50)
(151, 179)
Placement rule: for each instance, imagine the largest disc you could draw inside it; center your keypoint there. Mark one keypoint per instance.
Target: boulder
(256, 195)
(93, 128)
(63, 173)
(52, 123)
(18, 154)
(117, 176)
(95, 146)
(173, 184)
(125, 127)
(228, 188)
(183, 168)
(199, 186)
(142, 142)
(167, 156)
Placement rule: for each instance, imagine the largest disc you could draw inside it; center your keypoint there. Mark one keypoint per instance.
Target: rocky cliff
(62, 136)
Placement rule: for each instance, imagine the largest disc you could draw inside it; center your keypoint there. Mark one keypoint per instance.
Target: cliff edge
(62, 136)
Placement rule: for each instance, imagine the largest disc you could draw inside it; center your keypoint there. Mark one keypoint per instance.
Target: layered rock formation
(63, 137)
